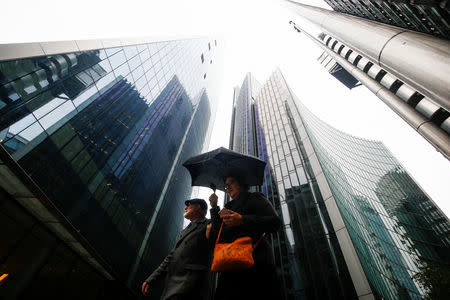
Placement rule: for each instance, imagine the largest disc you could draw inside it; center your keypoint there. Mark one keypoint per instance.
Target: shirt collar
(241, 198)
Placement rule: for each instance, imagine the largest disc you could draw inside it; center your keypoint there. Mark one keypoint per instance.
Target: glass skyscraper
(92, 141)
(358, 224)
(430, 16)
(247, 137)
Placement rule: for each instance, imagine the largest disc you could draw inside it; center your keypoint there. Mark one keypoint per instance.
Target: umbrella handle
(213, 187)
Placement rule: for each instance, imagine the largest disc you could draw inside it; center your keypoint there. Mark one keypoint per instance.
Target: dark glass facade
(247, 136)
(103, 134)
(320, 269)
(357, 223)
(30, 250)
(427, 16)
(393, 226)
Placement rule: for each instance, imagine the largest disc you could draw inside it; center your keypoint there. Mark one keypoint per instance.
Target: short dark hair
(204, 212)
(240, 179)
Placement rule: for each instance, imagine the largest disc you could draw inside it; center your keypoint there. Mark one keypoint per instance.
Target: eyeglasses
(227, 185)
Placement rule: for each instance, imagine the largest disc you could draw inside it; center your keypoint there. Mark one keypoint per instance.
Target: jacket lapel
(189, 229)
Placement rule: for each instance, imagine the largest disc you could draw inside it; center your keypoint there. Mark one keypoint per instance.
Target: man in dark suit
(186, 267)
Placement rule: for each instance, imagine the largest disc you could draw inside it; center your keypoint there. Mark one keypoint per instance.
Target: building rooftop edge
(24, 50)
(298, 101)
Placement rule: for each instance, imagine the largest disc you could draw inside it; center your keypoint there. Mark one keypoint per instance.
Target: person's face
(192, 211)
(232, 187)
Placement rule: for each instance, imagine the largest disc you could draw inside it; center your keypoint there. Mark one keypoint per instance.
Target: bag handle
(218, 236)
(254, 245)
(259, 240)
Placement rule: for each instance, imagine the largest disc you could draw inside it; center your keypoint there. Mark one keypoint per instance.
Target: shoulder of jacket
(203, 221)
(257, 195)
(257, 198)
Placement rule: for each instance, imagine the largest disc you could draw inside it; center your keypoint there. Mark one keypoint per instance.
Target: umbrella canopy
(211, 168)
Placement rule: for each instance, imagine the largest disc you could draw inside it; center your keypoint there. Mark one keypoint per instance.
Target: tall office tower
(247, 137)
(427, 16)
(361, 226)
(93, 134)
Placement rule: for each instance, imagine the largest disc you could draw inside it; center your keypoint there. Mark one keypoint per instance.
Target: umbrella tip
(213, 187)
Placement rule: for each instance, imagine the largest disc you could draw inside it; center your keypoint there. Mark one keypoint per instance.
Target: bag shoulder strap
(218, 236)
(254, 245)
(259, 240)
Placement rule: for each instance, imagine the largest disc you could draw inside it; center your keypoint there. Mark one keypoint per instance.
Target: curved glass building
(361, 226)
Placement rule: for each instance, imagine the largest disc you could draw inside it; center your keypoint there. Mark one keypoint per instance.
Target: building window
(380, 75)
(395, 86)
(367, 67)
(203, 58)
(415, 99)
(348, 54)
(334, 45)
(209, 46)
(357, 59)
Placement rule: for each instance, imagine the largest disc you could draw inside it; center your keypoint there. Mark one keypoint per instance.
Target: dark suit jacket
(258, 217)
(186, 267)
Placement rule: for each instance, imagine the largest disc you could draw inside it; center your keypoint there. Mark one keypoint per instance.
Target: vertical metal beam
(420, 60)
(432, 133)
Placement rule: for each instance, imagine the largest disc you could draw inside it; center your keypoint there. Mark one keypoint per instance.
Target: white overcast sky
(256, 38)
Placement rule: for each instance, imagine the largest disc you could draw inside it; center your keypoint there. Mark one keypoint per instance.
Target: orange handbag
(234, 256)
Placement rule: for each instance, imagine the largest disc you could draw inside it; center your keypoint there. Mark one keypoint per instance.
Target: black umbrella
(211, 168)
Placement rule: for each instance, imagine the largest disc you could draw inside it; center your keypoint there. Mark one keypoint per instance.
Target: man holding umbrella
(186, 268)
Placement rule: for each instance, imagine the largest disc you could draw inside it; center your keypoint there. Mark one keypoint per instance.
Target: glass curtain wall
(318, 263)
(103, 134)
(431, 16)
(394, 226)
(247, 136)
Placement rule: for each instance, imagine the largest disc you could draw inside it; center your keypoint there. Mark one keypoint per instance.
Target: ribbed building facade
(427, 16)
(361, 226)
(93, 134)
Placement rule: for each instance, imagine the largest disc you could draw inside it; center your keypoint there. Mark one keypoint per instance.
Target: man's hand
(213, 200)
(145, 288)
(208, 231)
(232, 219)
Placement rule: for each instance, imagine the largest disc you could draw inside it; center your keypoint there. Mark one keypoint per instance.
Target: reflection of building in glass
(45, 87)
(429, 16)
(319, 266)
(247, 137)
(414, 213)
(360, 225)
(96, 140)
